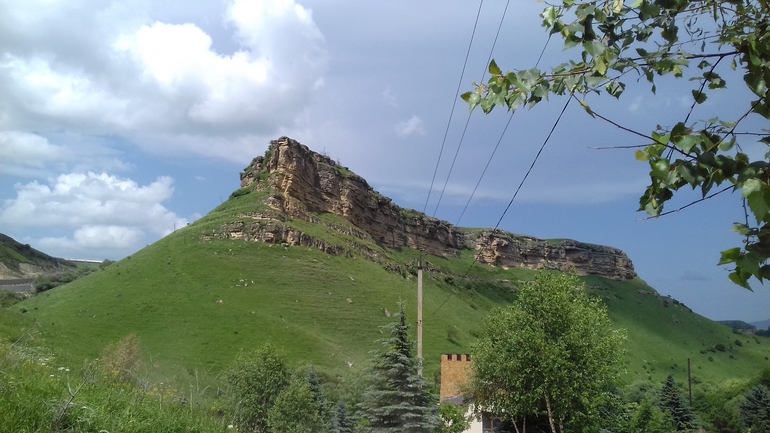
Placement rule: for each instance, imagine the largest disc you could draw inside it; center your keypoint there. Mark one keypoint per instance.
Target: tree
(256, 380)
(296, 410)
(396, 400)
(650, 419)
(672, 401)
(644, 40)
(552, 351)
(342, 423)
(755, 410)
(453, 419)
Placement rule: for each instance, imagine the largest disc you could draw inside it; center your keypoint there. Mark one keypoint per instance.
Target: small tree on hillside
(396, 400)
(553, 352)
(342, 423)
(255, 382)
(755, 410)
(672, 401)
(295, 410)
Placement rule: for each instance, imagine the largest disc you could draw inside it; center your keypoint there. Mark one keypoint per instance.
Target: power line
(468, 119)
(516, 193)
(475, 259)
(454, 104)
(494, 151)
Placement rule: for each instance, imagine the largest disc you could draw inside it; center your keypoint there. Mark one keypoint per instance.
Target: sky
(123, 120)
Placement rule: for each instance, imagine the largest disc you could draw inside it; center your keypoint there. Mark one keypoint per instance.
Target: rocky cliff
(305, 184)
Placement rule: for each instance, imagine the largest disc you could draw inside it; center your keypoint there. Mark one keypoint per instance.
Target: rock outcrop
(305, 184)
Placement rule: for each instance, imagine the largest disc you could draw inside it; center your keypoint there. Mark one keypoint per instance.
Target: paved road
(19, 286)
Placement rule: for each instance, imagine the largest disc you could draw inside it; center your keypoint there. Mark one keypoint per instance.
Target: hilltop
(306, 184)
(307, 255)
(19, 261)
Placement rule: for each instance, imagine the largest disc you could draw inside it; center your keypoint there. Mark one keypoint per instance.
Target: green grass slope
(13, 254)
(195, 301)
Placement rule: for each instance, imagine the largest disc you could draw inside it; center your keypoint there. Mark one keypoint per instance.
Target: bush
(255, 381)
(8, 298)
(240, 192)
(122, 361)
(738, 343)
(720, 347)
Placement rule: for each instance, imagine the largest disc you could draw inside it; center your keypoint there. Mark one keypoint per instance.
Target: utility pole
(689, 380)
(419, 317)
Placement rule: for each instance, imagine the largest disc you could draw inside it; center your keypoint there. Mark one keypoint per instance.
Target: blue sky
(122, 120)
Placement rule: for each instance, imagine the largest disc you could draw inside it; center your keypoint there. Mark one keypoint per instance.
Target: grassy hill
(195, 301)
(19, 260)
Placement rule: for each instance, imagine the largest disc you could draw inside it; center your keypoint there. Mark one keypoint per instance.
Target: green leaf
(615, 89)
(661, 138)
(473, 99)
(749, 262)
(756, 83)
(699, 96)
(660, 169)
(617, 6)
(587, 108)
(741, 229)
(730, 256)
(494, 69)
(687, 142)
(642, 155)
(740, 280)
(751, 186)
(759, 203)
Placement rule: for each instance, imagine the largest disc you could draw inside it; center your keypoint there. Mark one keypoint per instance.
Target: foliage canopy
(552, 351)
(396, 400)
(647, 39)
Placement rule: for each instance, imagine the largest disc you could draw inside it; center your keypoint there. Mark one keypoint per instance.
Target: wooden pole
(419, 317)
(689, 380)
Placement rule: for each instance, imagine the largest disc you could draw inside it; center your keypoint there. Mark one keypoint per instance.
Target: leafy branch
(667, 37)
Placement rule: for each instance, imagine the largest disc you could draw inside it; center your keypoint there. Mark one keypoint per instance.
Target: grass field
(195, 301)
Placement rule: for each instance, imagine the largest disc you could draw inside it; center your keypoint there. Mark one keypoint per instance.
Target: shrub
(122, 361)
(738, 343)
(8, 298)
(240, 192)
(720, 347)
(255, 381)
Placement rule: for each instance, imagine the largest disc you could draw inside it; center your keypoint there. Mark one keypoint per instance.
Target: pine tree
(342, 423)
(672, 401)
(755, 410)
(322, 404)
(396, 400)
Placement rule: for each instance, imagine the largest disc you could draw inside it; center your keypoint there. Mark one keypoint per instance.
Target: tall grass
(39, 395)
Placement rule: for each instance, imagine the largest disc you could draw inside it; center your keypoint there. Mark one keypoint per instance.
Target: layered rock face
(306, 183)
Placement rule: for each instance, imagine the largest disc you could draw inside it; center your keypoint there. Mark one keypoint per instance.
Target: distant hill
(307, 256)
(19, 260)
(739, 325)
(763, 324)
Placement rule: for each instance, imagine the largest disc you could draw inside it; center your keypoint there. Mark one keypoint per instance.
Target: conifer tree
(396, 400)
(320, 400)
(342, 423)
(672, 401)
(755, 410)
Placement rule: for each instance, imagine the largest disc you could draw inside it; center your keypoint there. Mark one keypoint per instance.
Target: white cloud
(115, 68)
(410, 127)
(389, 97)
(28, 149)
(101, 210)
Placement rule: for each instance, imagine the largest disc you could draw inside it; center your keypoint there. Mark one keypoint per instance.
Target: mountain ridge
(305, 183)
(20, 261)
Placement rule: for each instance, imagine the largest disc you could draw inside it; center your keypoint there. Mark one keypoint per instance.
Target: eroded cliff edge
(305, 183)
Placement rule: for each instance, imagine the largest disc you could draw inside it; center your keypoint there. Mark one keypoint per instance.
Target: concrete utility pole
(419, 317)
